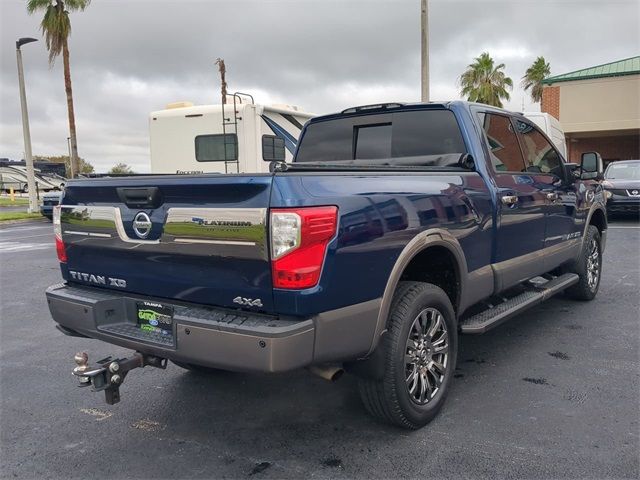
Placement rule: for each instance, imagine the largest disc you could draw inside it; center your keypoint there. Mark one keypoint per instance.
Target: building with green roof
(628, 66)
(598, 108)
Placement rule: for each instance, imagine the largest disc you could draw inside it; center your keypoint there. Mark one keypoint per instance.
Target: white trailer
(187, 138)
(551, 126)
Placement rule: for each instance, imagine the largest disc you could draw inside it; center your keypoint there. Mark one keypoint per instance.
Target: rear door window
(502, 141)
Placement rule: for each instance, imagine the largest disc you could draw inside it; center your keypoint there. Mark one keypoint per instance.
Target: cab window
(540, 156)
(502, 141)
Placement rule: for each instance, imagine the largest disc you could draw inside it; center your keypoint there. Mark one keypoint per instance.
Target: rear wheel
(588, 267)
(420, 349)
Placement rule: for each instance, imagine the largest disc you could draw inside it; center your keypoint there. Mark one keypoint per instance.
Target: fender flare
(433, 237)
(594, 208)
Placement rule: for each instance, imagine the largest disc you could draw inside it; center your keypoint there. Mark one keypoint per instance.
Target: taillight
(57, 231)
(299, 238)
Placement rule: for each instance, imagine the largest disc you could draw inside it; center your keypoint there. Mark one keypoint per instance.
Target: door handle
(509, 199)
(552, 196)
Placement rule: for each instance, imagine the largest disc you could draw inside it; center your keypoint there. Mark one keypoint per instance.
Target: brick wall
(551, 101)
(620, 147)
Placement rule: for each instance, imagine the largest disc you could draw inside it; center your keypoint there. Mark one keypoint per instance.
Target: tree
(56, 28)
(223, 79)
(533, 77)
(84, 167)
(484, 82)
(121, 169)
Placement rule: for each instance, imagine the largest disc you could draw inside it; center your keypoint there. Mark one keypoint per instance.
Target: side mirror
(591, 166)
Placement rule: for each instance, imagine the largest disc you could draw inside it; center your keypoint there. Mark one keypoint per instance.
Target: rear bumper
(216, 337)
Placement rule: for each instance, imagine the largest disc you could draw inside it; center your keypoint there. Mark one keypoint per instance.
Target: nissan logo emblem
(142, 225)
(634, 192)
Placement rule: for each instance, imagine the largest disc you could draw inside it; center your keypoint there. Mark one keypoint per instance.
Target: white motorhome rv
(551, 126)
(187, 138)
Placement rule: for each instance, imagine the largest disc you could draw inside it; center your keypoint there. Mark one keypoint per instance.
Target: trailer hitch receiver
(108, 374)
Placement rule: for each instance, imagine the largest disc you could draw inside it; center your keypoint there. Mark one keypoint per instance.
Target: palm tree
(538, 71)
(56, 28)
(485, 83)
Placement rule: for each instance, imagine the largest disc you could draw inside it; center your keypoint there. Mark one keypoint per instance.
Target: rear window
(389, 135)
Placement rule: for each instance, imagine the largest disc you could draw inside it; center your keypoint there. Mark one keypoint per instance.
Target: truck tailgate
(194, 239)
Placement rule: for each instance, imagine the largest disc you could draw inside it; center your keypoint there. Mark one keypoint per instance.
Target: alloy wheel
(593, 265)
(426, 355)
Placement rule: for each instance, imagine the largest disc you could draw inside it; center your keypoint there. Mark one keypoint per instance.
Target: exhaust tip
(337, 375)
(331, 373)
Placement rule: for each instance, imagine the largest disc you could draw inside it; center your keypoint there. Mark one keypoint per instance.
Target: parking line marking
(10, 247)
(31, 236)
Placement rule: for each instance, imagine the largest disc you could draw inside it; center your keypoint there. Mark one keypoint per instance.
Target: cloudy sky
(131, 57)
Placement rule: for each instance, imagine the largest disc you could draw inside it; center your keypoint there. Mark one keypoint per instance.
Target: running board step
(492, 317)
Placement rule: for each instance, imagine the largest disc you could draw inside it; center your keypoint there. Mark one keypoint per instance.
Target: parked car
(49, 200)
(396, 228)
(622, 183)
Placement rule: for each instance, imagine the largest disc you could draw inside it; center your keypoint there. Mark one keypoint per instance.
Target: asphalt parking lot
(553, 393)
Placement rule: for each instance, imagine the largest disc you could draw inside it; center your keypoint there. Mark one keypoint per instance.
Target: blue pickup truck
(396, 228)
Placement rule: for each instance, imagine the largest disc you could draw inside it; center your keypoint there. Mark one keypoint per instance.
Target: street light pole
(28, 158)
(424, 70)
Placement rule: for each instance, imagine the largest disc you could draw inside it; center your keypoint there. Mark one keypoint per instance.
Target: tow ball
(108, 374)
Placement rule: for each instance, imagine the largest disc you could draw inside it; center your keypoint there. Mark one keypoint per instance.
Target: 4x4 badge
(248, 302)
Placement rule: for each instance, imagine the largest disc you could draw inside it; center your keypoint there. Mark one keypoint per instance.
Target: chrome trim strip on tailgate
(226, 227)
(221, 226)
(213, 242)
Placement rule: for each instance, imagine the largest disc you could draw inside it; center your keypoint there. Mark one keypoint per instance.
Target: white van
(187, 138)
(551, 126)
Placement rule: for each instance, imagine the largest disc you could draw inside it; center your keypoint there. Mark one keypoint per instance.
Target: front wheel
(588, 267)
(420, 349)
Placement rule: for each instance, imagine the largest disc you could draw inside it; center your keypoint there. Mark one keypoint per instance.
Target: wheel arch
(598, 218)
(418, 250)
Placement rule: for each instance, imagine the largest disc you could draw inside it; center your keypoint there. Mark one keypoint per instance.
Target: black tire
(195, 368)
(586, 289)
(389, 399)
